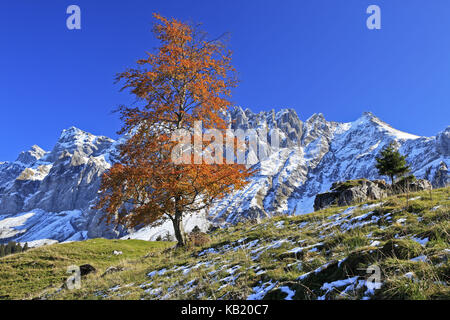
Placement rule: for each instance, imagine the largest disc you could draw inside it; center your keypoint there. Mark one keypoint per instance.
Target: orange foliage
(188, 79)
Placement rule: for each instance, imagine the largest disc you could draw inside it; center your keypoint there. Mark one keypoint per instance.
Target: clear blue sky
(311, 55)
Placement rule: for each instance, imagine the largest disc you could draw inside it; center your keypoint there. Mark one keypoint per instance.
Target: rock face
(31, 156)
(351, 192)
(412, 186)
(361, 190)
(49, 194)
(52, 192)
(443, 142)
(441, 176)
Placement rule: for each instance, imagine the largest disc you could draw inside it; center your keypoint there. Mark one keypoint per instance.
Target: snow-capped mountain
(316, 153)
(49, 194)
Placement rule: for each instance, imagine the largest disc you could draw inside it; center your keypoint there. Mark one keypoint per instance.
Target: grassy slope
(256, 261)
(29, 274)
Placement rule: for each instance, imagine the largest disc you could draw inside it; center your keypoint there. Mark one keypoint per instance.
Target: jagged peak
(368, 114)
(368, 118)
(444, 134)
(32, 155)
(445, 131)
(269, 116)
(74, 139)
(316, 117)
(249, 112)
(77, 135)
(73, 132)
(286, 110)
(35, 147)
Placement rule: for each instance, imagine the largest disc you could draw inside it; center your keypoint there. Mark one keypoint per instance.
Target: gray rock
(441, 178)
(111, 270)
(443, 142)
(412, 186)
(361, 190)
(351, 192)
(86, 269)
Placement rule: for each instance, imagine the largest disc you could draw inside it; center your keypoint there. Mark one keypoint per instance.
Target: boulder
(351, 191)
(411, 185)
(420, 185)
(86, 269)
(112, 270)
(361, 190)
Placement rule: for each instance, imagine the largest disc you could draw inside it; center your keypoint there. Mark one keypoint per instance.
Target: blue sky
(310, 55)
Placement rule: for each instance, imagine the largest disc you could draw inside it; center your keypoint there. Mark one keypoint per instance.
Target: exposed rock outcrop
(351, 192)
(31, 156)
(407, 185)
(441, 178)
(361, 190)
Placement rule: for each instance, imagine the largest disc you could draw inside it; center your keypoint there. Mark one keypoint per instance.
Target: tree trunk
(179, 230)
(407, 195)
(392, 185)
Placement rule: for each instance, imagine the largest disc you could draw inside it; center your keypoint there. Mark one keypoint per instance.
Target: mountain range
(48, 196)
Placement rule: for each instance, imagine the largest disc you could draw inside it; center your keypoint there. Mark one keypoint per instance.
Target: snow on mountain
(317, 153)
(49, 194)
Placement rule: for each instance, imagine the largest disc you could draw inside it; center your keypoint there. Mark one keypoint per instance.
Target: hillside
(27, 274)
(322, 255)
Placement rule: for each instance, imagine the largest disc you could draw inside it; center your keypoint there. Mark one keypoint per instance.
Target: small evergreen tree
(391, 163)
(25, 247)
(8, 248)
(13, 246)
(2, 250)
(18, 248)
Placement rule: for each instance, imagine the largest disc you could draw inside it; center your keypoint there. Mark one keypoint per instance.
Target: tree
(2, 250)
(188, 79)
(9, 248)
(391, 163)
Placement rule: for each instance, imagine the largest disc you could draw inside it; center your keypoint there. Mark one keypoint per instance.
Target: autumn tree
(187, 79)
(391, 163)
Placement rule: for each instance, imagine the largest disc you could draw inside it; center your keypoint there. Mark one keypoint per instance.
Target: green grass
(348, 184)
(28, 274)
(386, 235)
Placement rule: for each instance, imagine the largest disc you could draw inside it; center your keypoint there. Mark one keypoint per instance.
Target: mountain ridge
(60, 186)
